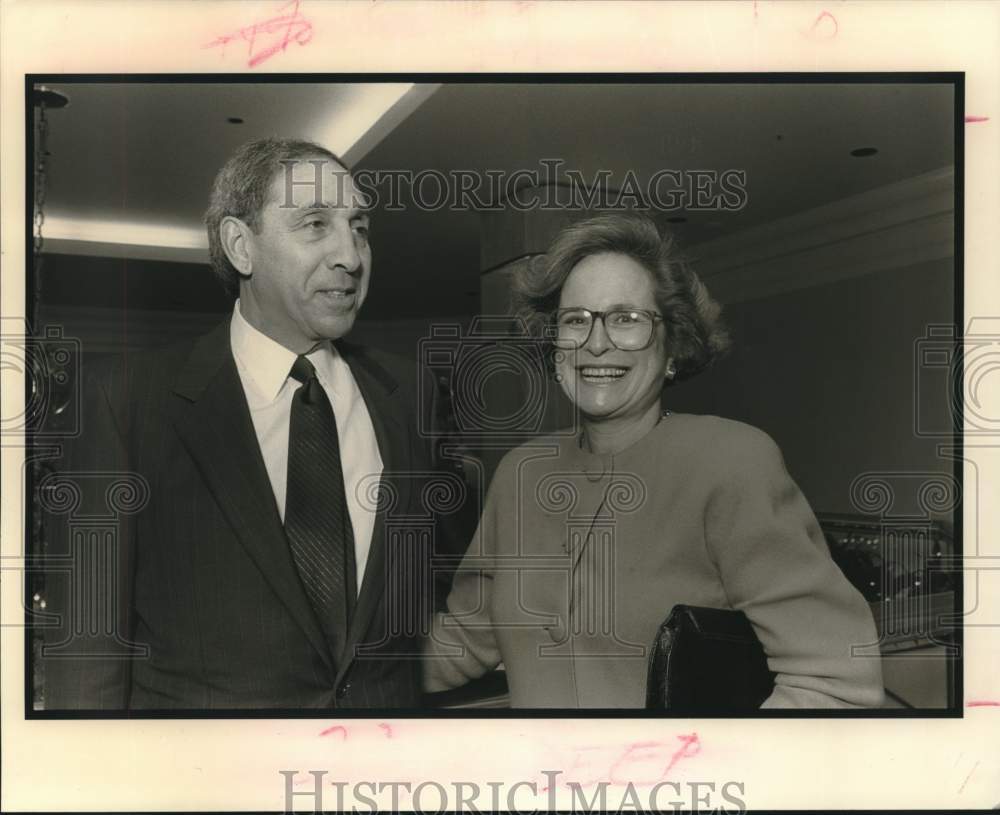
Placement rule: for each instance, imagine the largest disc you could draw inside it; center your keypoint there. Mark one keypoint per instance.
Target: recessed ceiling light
(234, 120)
(861, 152)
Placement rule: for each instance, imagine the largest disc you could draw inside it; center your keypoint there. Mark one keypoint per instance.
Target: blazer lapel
(211, 416)
(390, 420)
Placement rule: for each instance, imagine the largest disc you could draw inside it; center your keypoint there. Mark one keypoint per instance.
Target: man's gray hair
(241, 190)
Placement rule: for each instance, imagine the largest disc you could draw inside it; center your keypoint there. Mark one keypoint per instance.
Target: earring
(558, 377)
(671, 370)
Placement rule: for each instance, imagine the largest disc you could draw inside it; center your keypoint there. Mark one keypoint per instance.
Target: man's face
(310, 260)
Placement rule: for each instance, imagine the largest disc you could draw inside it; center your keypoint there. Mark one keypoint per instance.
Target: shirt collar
(268, 362)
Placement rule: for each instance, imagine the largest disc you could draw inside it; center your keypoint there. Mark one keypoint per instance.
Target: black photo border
(34, 563)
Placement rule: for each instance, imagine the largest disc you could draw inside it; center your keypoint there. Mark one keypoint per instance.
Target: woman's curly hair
(696, 335)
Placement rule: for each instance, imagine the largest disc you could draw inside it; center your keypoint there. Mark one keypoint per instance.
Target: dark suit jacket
(168, 563)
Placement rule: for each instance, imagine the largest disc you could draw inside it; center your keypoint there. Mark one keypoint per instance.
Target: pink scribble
(815, 31)
(651, 755)
(970, 119)
(690, 746)
(639, 763)
(983, 703)
(387, 729)
(638, 752)
(267, 38)
(337, 728)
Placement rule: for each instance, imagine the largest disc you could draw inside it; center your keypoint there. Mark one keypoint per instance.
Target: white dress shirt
(264, 366)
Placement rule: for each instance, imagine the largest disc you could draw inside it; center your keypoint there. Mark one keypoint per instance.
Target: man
(258, 559)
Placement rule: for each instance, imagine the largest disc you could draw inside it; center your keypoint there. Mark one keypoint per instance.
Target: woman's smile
(601, 374)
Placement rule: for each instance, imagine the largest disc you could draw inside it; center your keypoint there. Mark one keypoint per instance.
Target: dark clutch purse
(707, 661)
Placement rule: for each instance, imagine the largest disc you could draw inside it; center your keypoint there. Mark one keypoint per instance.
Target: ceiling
(147, 153)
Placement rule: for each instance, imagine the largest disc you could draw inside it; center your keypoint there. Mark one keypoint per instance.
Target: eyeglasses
(628, 329)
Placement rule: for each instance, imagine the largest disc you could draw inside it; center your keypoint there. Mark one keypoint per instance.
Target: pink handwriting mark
(267, 38)
(647, 754)
(640, 763)
(983, 703)
(971, 119)
(342, 731)
(821, 30)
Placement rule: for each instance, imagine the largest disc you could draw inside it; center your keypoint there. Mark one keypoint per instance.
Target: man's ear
(236, 240)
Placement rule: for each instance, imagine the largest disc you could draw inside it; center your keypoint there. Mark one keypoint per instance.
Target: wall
(113, 304)
(829, 373)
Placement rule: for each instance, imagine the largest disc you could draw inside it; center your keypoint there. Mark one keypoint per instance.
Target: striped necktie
(317, 523)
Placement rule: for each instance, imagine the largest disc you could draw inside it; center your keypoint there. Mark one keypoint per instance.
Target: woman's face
(602, 380)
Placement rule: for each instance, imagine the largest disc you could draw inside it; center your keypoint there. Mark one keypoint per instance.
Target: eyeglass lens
(626, 328)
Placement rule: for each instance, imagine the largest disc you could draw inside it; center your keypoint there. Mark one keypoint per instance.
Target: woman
(589, 538)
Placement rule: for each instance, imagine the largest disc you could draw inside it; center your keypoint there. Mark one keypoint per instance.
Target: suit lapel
(390, 420)
(211, 416)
